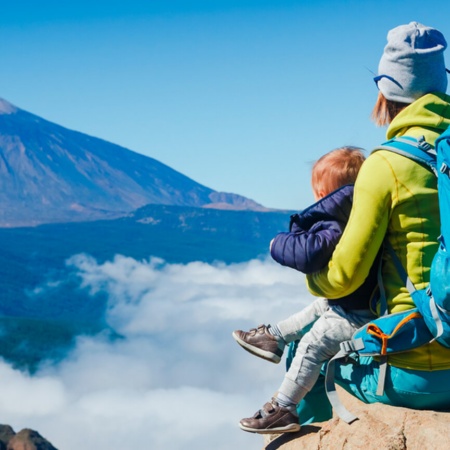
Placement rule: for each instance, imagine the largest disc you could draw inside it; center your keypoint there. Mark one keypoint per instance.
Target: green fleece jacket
(397, 198)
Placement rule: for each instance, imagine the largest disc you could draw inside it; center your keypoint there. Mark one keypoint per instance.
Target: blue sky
(241, 96)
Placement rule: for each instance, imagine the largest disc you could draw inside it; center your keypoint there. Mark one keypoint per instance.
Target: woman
(395, 198)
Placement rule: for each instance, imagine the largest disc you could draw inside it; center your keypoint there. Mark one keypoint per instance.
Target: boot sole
(291, 428)
(268, 356)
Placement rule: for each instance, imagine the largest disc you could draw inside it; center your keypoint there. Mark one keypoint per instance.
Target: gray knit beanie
(412, 64)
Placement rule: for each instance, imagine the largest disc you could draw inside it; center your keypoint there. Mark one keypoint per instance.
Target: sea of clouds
(175, 379)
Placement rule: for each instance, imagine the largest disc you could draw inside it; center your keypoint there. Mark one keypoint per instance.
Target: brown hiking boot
(272, 418)
(259, 342)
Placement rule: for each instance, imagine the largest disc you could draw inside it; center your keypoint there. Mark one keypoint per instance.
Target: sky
(177, 380)
(241, 96)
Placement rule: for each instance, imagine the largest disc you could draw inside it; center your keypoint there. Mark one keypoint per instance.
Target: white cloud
(176, 379)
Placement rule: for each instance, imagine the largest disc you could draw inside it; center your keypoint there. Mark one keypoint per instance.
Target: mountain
(49, 174)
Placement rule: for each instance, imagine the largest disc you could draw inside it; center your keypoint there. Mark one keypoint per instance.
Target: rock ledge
(380, 427)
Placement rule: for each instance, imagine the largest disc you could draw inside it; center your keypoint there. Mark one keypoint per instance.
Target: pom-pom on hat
(412, 64)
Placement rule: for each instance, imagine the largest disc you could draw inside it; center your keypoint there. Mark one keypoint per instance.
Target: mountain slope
(51, 174)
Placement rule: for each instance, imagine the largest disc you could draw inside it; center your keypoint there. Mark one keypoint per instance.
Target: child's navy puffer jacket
(313, 236)
(314, 233)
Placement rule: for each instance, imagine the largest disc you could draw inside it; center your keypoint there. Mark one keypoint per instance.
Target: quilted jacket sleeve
(314, 233)
(307, 250)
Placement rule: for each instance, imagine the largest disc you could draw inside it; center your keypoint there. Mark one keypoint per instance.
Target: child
(307, 247)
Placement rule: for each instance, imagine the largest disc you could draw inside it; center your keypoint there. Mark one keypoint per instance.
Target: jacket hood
(428, 116)
(335, 206)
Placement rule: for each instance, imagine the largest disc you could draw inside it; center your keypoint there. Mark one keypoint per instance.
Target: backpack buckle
(423, 144)
(444, 169)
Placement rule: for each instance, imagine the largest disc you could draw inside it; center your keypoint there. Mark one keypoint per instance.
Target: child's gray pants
(331, 325)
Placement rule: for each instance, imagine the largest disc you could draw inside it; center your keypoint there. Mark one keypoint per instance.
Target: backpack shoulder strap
(418, 150)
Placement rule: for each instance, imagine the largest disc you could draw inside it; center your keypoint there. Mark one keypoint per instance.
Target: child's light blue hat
(412, 64)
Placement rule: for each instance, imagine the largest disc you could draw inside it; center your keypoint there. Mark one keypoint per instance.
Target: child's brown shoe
(260, 342)
(272, 418)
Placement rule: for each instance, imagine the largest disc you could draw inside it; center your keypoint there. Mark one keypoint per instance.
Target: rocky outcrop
(6, 434)
(380, 427)
(23, 440)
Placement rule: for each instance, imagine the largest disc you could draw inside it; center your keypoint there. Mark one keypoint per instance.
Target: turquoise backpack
(430, 319)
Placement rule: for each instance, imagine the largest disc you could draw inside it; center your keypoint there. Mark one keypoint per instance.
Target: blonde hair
(385, 110)
(336, 169)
